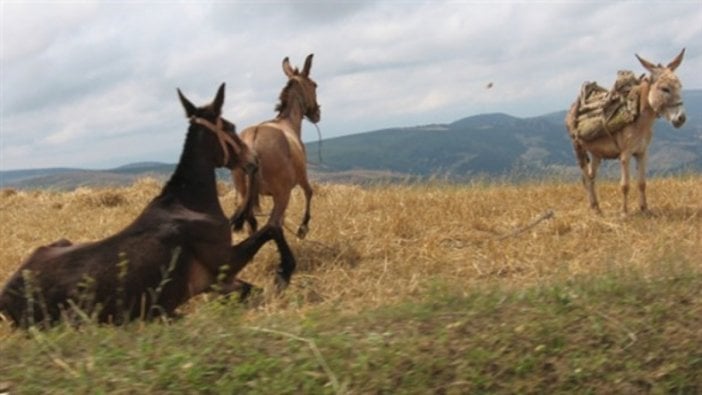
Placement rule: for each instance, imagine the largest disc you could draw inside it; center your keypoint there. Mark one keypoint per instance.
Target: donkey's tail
(250, 203)
(571, 119)
(571, 124)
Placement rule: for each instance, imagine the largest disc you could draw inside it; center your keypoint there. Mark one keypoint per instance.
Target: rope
(223, 137)
(319, 144)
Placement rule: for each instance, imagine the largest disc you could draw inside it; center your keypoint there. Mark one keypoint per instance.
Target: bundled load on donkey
(619, 124)
(600, 112)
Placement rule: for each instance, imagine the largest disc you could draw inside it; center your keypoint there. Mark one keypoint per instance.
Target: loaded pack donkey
(653, 96)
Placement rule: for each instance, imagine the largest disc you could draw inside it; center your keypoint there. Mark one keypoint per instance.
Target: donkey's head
(223, 144)
(665, 95)
(300, 88)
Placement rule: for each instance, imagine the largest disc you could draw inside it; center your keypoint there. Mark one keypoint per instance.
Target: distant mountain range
(487, 145)
(498, 144)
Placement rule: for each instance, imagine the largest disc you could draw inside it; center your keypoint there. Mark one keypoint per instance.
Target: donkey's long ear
(308, 65)
(187, 105)
(287, 69)
(219, 100)
(646, 64)
(676, 62)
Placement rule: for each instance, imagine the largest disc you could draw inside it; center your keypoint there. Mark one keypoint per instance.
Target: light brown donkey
(659, 96)
(282, 158)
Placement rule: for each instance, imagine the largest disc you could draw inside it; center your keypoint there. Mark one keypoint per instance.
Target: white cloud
(93, 84)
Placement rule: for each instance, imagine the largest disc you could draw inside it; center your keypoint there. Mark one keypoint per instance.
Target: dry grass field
(370, 246)
(395, 292)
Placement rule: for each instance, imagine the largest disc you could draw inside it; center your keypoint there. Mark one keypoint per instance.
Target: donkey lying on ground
(660, 96)
(282, 158)
(179, 246)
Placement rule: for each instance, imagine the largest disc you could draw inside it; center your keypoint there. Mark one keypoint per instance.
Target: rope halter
(223, 137)
(301, 95)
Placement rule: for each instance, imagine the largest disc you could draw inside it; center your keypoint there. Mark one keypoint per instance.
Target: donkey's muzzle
(679, 120)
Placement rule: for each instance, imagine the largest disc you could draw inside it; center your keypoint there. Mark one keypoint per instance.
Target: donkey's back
(121, 277)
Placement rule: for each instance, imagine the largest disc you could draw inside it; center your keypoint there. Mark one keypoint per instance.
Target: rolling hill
(486, 145)
(71, 178)
(498, 144)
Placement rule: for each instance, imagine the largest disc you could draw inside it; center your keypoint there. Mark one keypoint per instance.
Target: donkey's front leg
(641, 160)
(624, 183)
(243, 253)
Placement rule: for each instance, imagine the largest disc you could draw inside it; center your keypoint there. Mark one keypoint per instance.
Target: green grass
(630, 332)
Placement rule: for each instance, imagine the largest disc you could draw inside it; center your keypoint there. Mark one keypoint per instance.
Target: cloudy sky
(93, 84)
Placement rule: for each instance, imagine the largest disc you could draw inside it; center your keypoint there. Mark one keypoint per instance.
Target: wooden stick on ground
(544, 216)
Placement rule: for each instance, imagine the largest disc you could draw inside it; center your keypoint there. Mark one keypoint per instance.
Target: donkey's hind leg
(588, 168)
(239, 217)
(304, 225)
(589, 179)
(287, 259)
(247, 202)
(275, 227)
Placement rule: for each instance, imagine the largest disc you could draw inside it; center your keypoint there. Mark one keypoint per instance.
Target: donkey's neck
(647, 116)
(193, 183)
(293, 113)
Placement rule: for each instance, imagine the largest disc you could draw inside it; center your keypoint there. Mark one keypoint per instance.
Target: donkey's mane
(181, 175)
(284, 94)
(189, 154)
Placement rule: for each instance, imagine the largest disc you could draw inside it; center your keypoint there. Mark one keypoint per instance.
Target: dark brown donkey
(282, 160)
(179, 246)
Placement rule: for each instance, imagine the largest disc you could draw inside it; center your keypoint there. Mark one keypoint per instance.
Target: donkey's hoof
(645, 212)
(281, 282)
(251, 296)
(244, 291)
(302, 231)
